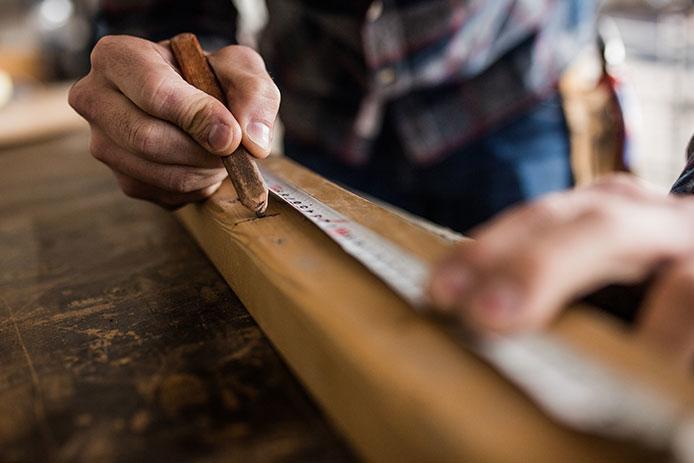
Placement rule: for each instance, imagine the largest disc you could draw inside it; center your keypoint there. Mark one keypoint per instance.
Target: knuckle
(548, 209)
(80, 98)
(76, 95)
(158, 93)
(180, 182)
(97, 147)
(143, 137)
(194, 117)
(246, 56)
(104, 48)
(191, 113)
(252, 86)
(260, 87)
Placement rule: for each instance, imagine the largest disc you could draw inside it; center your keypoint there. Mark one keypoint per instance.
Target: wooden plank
(393, 382)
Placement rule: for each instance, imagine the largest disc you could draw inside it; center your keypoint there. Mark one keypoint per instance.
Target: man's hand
(156, 132)
(530, 262)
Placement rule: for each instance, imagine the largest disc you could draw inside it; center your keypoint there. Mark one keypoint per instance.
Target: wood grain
(241, 166)
(392, 381)
(119, 342)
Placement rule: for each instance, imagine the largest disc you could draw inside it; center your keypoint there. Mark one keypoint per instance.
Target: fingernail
(219, 137)
(259, 134)
(449, 285)
(496, 303)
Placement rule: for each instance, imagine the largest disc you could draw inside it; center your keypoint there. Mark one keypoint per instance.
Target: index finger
(524, 285)
(143, 72)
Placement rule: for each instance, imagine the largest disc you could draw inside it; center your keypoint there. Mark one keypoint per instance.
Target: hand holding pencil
(163, 138)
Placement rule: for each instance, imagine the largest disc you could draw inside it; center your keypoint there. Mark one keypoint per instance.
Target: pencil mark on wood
(255, 219)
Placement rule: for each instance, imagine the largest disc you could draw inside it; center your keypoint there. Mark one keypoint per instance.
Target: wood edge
(201, 224)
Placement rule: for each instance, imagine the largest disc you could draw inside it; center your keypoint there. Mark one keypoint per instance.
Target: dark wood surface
(119, 342)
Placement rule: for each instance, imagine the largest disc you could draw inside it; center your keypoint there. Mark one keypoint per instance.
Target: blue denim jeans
(520, 160)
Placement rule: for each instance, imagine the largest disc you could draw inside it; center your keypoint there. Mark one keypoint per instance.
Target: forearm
(213, 21)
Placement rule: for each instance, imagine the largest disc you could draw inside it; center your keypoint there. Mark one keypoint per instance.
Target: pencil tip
(260, 211)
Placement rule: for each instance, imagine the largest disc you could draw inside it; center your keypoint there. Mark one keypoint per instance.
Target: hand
(532, 261)
(159, 134)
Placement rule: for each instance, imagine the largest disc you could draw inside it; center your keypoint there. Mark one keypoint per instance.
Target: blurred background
(648, 49)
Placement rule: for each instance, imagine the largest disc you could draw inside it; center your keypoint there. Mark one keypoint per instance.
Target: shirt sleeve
(685, 184)
(213, 21)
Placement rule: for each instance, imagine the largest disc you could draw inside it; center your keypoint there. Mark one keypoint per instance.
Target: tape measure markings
(401, 271)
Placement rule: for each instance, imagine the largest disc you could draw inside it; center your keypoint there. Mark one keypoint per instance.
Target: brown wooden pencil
(240, 165)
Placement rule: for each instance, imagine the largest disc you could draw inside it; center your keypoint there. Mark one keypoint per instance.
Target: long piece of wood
(393, 382)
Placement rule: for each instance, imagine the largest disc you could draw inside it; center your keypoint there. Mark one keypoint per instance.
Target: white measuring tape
(569, 387)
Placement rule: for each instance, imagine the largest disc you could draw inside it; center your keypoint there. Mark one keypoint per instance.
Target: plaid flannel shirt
(448, 71)
(685, 184)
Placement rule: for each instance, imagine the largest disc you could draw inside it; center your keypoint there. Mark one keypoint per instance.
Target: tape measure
(570, 388)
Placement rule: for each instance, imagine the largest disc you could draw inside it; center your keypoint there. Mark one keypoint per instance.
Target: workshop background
(648, 48)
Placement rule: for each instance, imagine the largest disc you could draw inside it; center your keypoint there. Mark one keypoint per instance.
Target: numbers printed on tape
(403, 272)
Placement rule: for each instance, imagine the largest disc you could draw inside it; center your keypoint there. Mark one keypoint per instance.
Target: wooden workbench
(118, 339)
